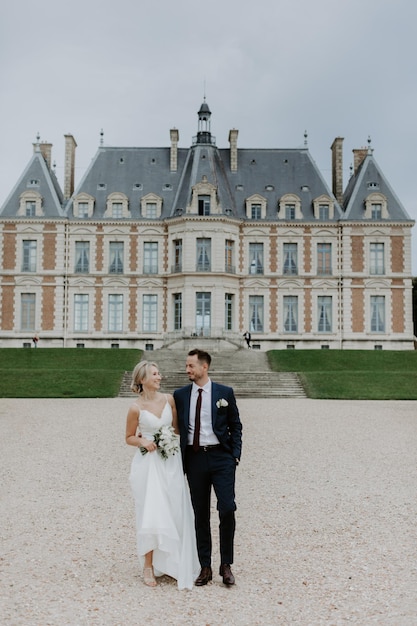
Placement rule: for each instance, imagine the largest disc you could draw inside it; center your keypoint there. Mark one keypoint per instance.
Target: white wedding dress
(164, 514)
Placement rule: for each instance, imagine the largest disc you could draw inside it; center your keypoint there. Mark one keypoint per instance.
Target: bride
(165, 533)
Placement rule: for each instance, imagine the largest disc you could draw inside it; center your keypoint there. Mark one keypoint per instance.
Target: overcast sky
(270, 68)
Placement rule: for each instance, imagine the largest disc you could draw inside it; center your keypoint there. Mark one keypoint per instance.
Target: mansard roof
(368, 180)
(271, 173)
(39, 178)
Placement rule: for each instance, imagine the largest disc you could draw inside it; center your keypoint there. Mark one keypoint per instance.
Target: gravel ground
(326, 518)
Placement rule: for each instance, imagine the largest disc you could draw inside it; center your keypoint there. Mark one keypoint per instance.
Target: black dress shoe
(204, 576)
(226, 572)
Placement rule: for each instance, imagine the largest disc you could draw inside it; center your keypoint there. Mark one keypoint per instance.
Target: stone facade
(157, 245)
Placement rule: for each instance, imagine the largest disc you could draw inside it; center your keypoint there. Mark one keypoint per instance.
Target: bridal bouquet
(167, 442)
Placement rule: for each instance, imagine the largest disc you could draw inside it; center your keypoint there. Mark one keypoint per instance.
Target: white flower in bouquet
(167, 442)
(221, 402)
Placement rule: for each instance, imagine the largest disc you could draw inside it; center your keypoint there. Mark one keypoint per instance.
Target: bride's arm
(132, 439)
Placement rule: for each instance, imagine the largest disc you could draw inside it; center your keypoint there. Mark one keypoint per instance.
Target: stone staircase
(247, 371)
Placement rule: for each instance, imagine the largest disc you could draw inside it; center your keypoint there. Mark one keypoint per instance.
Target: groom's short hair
(202, 355)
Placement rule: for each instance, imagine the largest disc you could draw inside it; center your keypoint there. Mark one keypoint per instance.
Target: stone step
(250, 384)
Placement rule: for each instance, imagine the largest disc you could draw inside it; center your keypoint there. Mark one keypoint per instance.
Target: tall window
(117, 210)
(290, 258)
(256, 211)
(80, 313)
(150, 312)
(324, 305)
(256, 258)
(115, 313)
(204, 205)
(203, 254)
(228, 311)
(151, 210)
(229, 256)
(82, 257)
(256, 314)
(27, 311)
(376, 211)
(324, 258)
(150, 257)
(29, 256)
(177, 311)
(203, 313)
(177, 255)
(30, 208)
(377, 314)
(376, 259)
(290, 211)
(291, 314)
(116, 249)
(323, 212)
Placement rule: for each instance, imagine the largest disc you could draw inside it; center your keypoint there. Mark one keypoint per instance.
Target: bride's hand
(150, 446)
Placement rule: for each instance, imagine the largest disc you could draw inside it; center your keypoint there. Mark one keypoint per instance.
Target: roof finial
(370, 150)
(38, 140)
(305, 138)
(101, 137)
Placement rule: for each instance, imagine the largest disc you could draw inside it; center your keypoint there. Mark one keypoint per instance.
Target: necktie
(196, 439)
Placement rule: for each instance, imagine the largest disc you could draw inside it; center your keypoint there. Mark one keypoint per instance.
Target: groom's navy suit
(212, 466)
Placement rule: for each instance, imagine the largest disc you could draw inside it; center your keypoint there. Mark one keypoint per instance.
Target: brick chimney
(233, 149)
(69, 172)
(46, 150)
(358, 158)
(337, 169)
(174, 134)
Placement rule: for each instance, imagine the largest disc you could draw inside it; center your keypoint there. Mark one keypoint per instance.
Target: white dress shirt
(207, 436)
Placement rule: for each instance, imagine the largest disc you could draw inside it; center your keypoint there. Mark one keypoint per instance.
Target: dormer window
(83, 206)
(373, 186)
(151, 206)
(204, 205)
(33, 182)
(117, 206)
(151, 210)
(117, 210)
(376, 211)
(256, 207)
(289, 207)
(83, 209)
(30, 204)
(204, 199)
(323, 207)
(376, 207)
(102, 186)
(30, 210)
(269, 187)
(256, 211)
(323, 212)
(290, 211)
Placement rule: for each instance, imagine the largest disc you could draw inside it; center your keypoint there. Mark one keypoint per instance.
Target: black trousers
(215, 468)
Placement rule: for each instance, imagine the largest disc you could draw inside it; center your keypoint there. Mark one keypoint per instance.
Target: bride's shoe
(148, 577)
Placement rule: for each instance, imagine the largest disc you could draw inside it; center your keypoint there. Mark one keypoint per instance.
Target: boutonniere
(221, 402)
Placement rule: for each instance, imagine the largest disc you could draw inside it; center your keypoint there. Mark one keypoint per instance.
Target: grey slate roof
(48, 188)
(369, 179)
(286, 171)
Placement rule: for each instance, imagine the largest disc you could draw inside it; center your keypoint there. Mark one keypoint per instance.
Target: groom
(211, 443)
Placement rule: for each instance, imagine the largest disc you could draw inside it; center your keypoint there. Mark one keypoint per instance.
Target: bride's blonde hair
(141, 373)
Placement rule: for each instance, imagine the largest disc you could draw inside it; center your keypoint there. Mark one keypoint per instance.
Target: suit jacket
(225, 419)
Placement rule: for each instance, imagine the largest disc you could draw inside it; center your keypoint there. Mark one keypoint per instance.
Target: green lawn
(64, 373)
(352, 374)
(97, 373)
